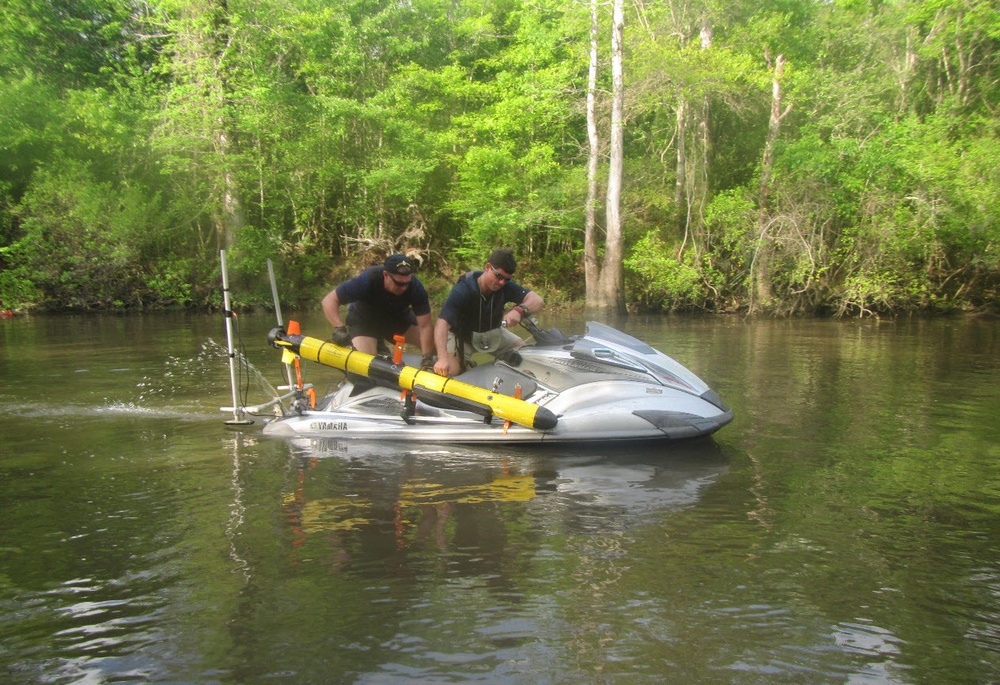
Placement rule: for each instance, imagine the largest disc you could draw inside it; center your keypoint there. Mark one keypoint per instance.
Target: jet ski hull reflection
(603, 386)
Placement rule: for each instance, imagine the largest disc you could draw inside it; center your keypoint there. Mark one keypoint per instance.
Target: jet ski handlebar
(543, 337)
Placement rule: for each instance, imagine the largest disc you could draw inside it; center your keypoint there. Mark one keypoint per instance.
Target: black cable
(243, 371)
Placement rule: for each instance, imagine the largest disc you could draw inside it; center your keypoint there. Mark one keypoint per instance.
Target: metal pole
(277, 313)
(274, 293)
(238, 418)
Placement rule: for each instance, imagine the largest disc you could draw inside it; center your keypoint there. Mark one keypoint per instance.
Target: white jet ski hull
(605, 386)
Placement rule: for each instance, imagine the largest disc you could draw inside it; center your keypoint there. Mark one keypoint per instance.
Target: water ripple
(87, 630)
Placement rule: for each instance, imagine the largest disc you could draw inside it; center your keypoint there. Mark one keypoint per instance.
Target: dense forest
(835, 157)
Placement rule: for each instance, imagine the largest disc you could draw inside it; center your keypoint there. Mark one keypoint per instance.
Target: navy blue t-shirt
(369, 299)
(469, 311)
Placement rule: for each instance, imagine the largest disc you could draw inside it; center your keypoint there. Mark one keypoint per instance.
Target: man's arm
(426, 330)
(441, 330)
(331, 308)
(531, 304)
(446, 364)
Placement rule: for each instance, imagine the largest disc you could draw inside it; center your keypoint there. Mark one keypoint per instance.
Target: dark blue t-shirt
(469, 311)
(369, 299)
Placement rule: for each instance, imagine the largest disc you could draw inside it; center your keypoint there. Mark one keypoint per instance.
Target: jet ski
(602, 386)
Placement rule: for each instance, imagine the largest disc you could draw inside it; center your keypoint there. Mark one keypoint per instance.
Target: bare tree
(761, 268)
(591, 268)
(612, 286)
(694, 142)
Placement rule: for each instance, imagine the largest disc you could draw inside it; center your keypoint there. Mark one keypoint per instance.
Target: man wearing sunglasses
(473, 317)
(383, 301)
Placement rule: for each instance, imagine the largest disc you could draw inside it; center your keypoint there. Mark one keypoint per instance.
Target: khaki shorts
(494, 342)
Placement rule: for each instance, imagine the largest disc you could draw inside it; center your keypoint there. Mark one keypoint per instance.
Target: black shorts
(379, 327)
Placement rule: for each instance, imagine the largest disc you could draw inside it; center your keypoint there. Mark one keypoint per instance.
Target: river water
(843, 529)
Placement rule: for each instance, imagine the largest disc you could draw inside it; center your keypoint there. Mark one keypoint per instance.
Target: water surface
(844, 528)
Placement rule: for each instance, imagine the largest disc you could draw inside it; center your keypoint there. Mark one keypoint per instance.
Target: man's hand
(441, 367)
(514, 316)
(341, 336)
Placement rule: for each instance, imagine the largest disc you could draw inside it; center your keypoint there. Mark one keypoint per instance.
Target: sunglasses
(401, 284)
(502, 277)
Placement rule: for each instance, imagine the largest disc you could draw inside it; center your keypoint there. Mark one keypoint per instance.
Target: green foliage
(907, 211)
(730, 220)
(71, 42)
(30, 130)
(555, 275)
(17, 285)
(658, 280)
(135, 142)
(84, 242)
(487, 186)
(178, 281)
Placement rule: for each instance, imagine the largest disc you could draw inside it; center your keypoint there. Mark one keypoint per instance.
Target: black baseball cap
(398, 264)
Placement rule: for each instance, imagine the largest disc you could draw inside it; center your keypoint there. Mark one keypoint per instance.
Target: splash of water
(207, 372)
(247, 372)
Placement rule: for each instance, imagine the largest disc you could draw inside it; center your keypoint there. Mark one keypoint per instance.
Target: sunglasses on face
(401, 284)
(502, 277)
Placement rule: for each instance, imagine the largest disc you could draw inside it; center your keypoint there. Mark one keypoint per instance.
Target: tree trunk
(762, 256)
(612, 290)
(229, 219)
(693, 148)
(590, 265)
(680, 188)
(700, 185)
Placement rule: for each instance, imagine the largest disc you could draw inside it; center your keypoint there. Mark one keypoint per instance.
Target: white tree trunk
(591, 269)
(612, 295)
(761, 264)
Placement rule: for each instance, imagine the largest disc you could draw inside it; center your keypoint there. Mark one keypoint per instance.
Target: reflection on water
(842, 529)
(462, 559)
(878, 646)
(433, 493)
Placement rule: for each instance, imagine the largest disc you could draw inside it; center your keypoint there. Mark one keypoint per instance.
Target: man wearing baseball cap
(383, 301)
